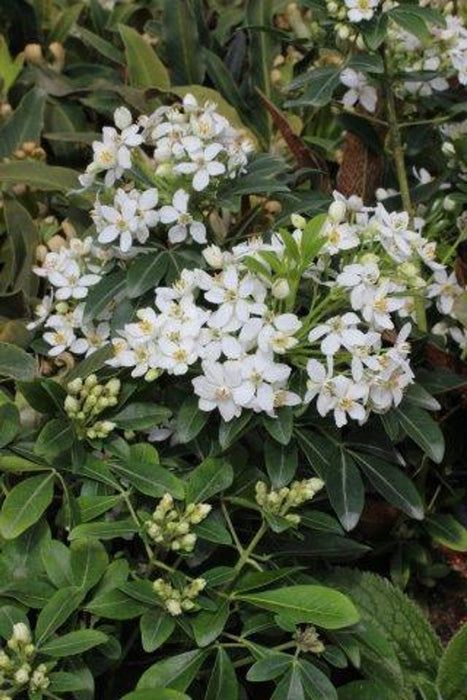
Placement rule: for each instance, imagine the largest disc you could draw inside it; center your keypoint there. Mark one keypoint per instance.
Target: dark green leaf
(145, 272)
(73, 643)
(105, 529)
(156, 627)
(145, 68)
(177, 671)
(448, 531)
(103, 293)
(57, 611)
(281, 427)
(88, 561)
(9, 423)
(183, 48)
(141, 416)
(207, 625)
(190, 420)
(55, 437)
(210, 477)
(281, 463)
(25, 124)
(345, 489)
(223, 680)
(14, 362)
(43, 177)
(423, 430)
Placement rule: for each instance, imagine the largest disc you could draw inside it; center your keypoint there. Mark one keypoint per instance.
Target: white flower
(259, 376)
(216, 386)
(237, 298)
(359, 10)
(185, 224)
(318, 378)
(117, 222)
(338, 330)
(360, 91)
(342, 398)
(339, 237)
(60, 339)
(445, 289)
(71, 283)
(203, 165)
(271, 333)
(41, 311)
(459, 335)
(378, 306)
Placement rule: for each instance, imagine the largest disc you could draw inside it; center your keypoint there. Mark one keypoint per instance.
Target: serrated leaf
(452, 673)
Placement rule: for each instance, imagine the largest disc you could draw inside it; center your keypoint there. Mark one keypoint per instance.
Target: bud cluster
(308, 640)
(86, 400)
(178, 600)
(16, 668)
(171, 529)
(280, 501)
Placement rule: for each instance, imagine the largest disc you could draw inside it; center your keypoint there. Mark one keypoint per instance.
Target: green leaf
(88, 561)
(63, 23)
(56, 560)
(229, 431)
(207, 625)
(156, 626)
(210, 477)
(10, 67)
(55, 437)
(213, 529)
(57, 611)
(149, 478)
(115, 605)
(25, 124)
(392, 484)
(25, 504)
(24, 236)
(312, 240)
(14, 464)
(90, 507)
(177, 671)
(345, 489)
(43, 395)
(141, 416)
(319, 605)
(73, 643)
(182, 44)
(423, 430)
(420, 397)
(320, 86)
(366, 62)
(375, 31)
(223, 680)
(105, 48)
(145, 68)
(41, 176)
(281, 463)
(290, 687)
(105, 529)
(102, 294)
(452, 673)
(316, 684)
(394, 626)
(416, 20)
(272, 666)
(14, 362)
(190, 420)
(259, 579)
(259, 13)
(145, 272)
(156, 692)
(366, 690)
(9, 423)
(281, 427)
(446, 530)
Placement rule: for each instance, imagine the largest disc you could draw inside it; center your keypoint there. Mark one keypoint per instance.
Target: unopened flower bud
(72, 405)
(173, 607)
(213, 256)
(337, 212)
(298, 221)
(280, 288)
(113, 386)
(33, 53)
(343, 32)
(75, 386)
(448, 148)
(449, 204)
(21, 633)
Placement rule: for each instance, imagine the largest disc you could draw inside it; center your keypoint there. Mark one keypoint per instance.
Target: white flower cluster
(233, 321)
(353, 10)
(182, 150)
(444, 56)
(71, 272)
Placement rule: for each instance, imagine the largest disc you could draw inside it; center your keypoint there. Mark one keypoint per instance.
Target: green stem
(246, 553)
(401, 171)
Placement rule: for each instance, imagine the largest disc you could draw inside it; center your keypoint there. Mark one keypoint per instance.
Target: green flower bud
(75, 386)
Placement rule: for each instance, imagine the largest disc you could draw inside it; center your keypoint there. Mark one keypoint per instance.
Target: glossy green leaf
(15, 363)
(88, 561)
(41, 176)
(145, 272)
(281, 427)
(141, 416)
(9, 423)
(55, 437)
(209, 478)
(73, 643)
(56, 560)
(183, 47)
(207, 625)
(57, 611)
(25, 504)
(105, 529)
(448, 531)
(319, 605)
(345, 489)
(223, 680)
(156, 626)
(102, 294)
(423, 430)
(281, 463)
(177, 671)
(190, 420)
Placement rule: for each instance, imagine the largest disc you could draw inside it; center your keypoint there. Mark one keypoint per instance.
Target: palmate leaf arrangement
(224, 394)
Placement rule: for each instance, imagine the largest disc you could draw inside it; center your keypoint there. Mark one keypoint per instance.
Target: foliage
(232, 343)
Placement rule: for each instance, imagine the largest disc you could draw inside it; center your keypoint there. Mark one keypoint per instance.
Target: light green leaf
(177, 671)
(319, 605)
(56, 560)
(25, 504)
(448, 531)
(145, 68)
